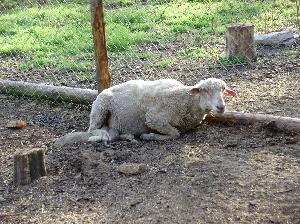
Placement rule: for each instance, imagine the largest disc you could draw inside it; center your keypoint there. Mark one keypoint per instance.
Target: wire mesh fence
(50, 41)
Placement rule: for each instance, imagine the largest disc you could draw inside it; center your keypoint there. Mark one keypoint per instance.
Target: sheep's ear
(193, 91)
(229, 92)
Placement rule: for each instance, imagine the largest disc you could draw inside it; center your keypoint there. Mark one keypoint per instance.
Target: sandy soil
(218, 173)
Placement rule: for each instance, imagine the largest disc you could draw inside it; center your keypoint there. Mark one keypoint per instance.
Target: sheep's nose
(221, 109)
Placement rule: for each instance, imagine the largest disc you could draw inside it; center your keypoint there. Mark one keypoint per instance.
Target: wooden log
(42, 91)
(29, 165)
(98, 26)
(240, 42)
(285, 123)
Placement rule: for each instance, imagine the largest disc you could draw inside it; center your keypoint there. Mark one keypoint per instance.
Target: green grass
(146, 55)
(46, 36)
(289, 52)
(200, 53)
(232, 60)
(58, 35)
(165, 62)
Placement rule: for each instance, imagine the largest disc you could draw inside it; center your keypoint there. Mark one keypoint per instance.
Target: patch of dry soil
(218, 173)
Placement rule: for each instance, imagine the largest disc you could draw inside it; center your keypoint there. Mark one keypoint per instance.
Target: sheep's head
(211, 94)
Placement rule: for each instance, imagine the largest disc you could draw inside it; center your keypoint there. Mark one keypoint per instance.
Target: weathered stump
(240, 42)
(29, 165)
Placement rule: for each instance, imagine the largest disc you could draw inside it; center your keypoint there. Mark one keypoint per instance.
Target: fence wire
(50, 41)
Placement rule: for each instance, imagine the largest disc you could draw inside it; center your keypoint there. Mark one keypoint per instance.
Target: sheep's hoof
(95, 139)
(100, 136)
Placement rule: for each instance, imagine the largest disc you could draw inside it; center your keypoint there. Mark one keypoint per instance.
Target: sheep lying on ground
(153, 110)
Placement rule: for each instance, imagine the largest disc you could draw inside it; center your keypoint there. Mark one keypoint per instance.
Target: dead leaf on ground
(16, 124)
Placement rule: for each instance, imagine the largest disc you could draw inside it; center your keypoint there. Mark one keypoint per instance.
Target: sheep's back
(131, 100)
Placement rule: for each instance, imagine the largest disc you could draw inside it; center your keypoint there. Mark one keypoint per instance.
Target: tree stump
(29, 165)
(240, 42)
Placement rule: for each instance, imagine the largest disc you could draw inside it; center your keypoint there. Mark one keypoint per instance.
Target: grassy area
(200, 52)
(58, 34)
(289, 52)
(165, 62)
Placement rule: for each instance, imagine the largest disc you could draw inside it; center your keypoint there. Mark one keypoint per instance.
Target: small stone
(117, 155)
(2, 199)
(135, 202)
(132, 168)
(231, 145)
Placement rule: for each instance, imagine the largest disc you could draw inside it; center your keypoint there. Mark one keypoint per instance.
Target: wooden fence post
(240, 41)
(103, 78)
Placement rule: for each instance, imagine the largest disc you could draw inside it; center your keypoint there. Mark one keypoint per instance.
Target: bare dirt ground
(218, 173)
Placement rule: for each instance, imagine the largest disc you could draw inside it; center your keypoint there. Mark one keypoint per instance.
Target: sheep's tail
(100, 113)
(74, 137)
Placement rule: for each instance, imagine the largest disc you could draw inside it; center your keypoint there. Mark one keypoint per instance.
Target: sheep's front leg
(160, 123)
(99, 113)
(101, 135)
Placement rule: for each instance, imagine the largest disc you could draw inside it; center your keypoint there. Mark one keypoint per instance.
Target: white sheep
(152, 110)
(155, 110)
